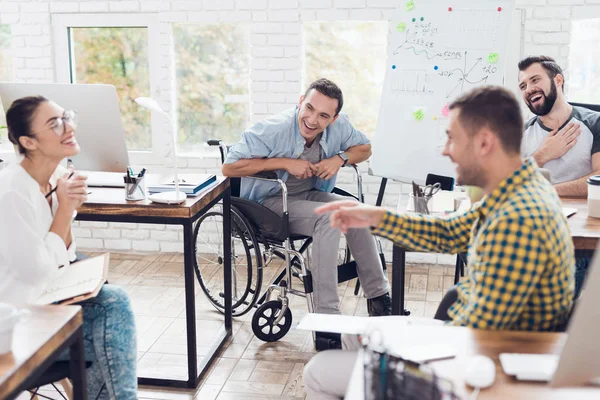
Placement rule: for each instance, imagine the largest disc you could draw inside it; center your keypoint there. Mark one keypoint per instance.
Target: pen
(141, 174)
(54, 190)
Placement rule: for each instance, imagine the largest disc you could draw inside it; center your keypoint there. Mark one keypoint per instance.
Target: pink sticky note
(445, 111)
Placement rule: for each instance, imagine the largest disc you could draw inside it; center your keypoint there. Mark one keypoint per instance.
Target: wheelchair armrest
(265, 175)
(360, 196)
(271, 176)
(342, 192)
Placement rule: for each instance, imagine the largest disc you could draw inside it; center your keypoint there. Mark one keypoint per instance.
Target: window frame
(61, 24)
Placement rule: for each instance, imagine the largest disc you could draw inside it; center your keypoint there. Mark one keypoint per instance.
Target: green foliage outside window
(353, 55)
(117, 56)
(212, 75)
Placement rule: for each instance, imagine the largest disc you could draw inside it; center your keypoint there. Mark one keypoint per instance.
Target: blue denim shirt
(279, 137)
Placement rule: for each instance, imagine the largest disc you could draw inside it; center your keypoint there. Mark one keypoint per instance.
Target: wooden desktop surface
(111, 201)
(469, 342)
(36, 337)
(585, 230)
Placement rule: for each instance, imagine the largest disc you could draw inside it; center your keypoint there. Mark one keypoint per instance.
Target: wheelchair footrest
(346, 272)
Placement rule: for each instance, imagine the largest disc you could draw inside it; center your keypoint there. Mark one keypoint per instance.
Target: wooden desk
(38, 341)
(585, 232)
(109, 204)
(469, 342)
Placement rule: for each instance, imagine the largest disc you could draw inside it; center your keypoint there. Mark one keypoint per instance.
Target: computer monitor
(579, 359)
(99, 131)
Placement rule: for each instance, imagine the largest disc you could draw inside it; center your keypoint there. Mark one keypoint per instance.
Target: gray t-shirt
(313, 155)
(576, 162)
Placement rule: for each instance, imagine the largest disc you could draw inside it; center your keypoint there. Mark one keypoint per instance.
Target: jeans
(110, 344)
(582, 262)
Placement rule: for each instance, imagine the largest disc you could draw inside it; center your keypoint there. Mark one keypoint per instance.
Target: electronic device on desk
(100, 132)
(103, 179)
(578, 363)
(192, 185)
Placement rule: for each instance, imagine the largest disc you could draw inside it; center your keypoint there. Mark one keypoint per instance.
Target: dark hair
(548, 63)
(329, 89)
(19, 118)
(493, 107)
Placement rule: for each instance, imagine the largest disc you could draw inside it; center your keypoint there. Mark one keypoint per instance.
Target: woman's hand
(71, 192)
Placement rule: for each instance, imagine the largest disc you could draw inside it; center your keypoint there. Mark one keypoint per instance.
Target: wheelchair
(258, 236)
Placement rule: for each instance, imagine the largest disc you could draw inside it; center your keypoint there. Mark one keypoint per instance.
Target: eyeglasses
(59, 126)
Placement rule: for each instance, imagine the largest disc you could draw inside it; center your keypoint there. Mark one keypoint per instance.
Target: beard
(546, 106)
(470, 175)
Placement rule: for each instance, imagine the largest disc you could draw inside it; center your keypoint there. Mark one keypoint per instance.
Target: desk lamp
(171, 197)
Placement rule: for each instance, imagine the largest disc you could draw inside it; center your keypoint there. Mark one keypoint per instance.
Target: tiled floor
(248, 368)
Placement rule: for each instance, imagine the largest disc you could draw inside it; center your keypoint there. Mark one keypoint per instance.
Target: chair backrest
(446, 182)
(593, 107)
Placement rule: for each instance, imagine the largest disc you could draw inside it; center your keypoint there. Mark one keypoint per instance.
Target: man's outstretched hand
(348, 214)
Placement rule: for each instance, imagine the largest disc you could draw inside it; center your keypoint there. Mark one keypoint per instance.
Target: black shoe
(380, 306)
(328, 341)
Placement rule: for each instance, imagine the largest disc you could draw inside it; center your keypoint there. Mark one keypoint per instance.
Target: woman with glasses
(38, 201)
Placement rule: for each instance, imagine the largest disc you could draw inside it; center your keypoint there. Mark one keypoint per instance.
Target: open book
(80, 281)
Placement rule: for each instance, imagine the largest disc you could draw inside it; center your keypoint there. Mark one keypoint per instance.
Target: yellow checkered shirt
(521, 268)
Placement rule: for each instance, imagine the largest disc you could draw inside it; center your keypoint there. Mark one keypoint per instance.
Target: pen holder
(135, 188)
(418, 204)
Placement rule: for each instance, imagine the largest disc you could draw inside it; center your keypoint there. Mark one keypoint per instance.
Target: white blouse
(30, 255)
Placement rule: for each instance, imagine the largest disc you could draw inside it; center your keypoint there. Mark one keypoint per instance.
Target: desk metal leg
(398, 274)
(190, 303)
(227, 262)
(77, 366)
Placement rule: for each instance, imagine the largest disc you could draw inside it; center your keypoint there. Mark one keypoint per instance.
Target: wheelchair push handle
(213, 142)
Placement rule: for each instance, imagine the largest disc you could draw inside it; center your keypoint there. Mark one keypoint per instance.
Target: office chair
(58, 372)
(447, 183)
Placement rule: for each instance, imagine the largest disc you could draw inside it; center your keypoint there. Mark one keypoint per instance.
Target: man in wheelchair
(306, 146)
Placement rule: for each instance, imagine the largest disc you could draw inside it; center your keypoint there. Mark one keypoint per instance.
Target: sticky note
(401, 27)
(410, 4)
(419, 115)
(445, 111)
(492, 58)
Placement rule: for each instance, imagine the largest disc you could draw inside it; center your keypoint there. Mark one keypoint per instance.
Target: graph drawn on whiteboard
(439, 53)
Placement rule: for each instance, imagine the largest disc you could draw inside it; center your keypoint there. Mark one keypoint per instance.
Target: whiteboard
(436, 51)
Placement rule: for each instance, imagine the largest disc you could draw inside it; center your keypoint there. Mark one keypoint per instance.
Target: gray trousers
(326, 242)
(327, 374)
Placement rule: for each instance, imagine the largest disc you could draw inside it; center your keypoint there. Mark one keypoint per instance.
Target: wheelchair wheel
(263, 321)
(246, 261)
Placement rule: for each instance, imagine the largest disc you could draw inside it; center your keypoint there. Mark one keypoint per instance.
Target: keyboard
(530, 367)
(104, 179)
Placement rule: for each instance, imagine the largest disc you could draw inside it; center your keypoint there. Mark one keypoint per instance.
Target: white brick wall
(276, 70)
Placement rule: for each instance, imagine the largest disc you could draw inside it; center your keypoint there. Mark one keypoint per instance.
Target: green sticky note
(492, 58)
(410, 5)
(419, 115)
(401, 27)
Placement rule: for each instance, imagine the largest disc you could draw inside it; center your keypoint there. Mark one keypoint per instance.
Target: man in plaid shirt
(520, 252)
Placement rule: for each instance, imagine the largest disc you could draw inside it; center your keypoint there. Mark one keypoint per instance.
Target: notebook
(79, 281)
(188, 184)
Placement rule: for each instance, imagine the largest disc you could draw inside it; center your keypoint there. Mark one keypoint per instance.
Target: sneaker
(328, 341)
(380, 306)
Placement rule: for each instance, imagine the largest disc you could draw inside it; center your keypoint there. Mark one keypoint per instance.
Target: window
(212, 76)
(353, 55)
(6, 57)
(584, 64)
(6, 74)
(117, 56)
